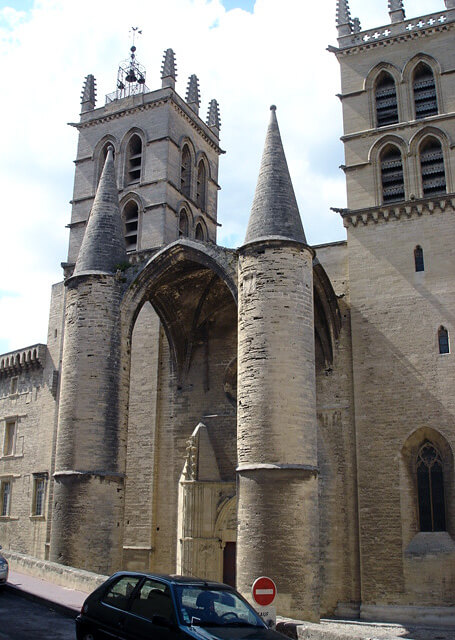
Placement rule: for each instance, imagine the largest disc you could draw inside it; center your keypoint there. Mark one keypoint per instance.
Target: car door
(152, 613)
(109, 612)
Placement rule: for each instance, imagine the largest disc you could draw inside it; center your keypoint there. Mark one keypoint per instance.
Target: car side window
(153, 599)
(119, 593)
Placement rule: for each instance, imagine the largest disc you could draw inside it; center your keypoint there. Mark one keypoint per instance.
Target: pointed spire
(274, 212)
(356, 26)
(88, 96)
(103, 246)
(168, 70)
(193, 96)
(213, 117)
(396, 10)
(344, 23)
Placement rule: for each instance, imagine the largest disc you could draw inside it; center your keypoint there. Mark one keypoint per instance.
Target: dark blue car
(139, 606)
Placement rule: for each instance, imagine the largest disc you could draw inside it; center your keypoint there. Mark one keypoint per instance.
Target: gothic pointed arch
(382, 84)
(200, 230)
(201, 183)
(422, 76)
(99, 155)
(132, 208)
(187, 155)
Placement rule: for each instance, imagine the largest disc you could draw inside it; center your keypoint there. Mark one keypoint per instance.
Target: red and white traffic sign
(264, 591)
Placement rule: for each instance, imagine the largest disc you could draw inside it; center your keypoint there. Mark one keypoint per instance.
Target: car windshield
(206, 607)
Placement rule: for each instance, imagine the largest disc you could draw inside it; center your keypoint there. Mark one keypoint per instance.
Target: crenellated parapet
(16, 362)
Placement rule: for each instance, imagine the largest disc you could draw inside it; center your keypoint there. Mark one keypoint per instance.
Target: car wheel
(88, 635)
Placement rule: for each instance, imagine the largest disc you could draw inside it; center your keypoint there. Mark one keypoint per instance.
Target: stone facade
(285, 404)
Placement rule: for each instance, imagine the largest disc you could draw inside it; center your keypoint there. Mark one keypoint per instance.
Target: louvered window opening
(386, 102)
(430, 487)
(134, 161)
(433, 172)
(426, 103)
(392, 177)
(131, 226)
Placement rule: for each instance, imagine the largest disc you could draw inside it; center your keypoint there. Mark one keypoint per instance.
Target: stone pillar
(87, 523)
(278, 519)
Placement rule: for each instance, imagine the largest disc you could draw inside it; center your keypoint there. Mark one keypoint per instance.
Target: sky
(248, 54)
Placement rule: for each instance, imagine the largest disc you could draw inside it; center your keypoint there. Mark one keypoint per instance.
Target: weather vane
(135, 31)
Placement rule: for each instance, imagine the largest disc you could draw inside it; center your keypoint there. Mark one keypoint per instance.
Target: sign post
(264, 592)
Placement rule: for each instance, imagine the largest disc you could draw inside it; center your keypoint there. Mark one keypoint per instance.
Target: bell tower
(165, 157)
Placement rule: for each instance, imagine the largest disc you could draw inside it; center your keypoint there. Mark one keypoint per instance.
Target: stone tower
(276, 436)
(398, 98)
(163, 192)
(89, 467)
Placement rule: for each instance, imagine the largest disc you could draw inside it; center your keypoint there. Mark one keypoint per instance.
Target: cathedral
(277, 409)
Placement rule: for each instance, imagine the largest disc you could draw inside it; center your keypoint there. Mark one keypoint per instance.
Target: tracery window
(201, 185)
(183, 224)
(133, 160)
(443, 340)
(392, 175)
(386, 100)
(418, 258)
(432, 168)
(425, 99)
(131, 217)
(430, 488)
(185, 172)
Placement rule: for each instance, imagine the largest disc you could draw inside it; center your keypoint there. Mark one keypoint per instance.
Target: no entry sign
(264, 591)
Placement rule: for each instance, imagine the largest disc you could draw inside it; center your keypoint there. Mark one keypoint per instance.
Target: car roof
(176, 579)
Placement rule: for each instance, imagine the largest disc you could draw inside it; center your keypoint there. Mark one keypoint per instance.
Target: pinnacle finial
(169, 69)
(213, 116)
(193, 96)
(274, 213)
(396, 10)
(88, 96)
(344, 22)
(103, 245)
(356, 26)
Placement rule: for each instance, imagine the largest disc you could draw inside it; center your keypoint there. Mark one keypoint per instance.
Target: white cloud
(277, 54)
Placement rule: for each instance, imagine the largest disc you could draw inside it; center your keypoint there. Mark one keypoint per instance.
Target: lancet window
(199, 233)
(183, 224)
(185, 172)
(418, 258)
(443, 340)
(201, 185)
(430, 488)
(425, 99)
(392, 175)
(386, 100)
(432, 168)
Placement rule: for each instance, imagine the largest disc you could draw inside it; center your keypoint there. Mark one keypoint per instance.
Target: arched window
(199, 232)
(133, 160)
(185, 172)
(432, 168)
(183, 224)
(425, 100)
(430, 488)
(102, 159)
(131, 217)
(386, 100)
(392, 175)
(201, 185)
(443, 340)
(418, 258)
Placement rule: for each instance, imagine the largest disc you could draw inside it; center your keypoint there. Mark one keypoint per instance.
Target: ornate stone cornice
(395, 211)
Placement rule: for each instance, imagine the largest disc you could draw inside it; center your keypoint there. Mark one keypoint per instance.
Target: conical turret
(396, 10)
(344, 23)
(103, 246)
(274, 213)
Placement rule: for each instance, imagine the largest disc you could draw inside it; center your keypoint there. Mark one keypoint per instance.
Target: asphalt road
(22, 619)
